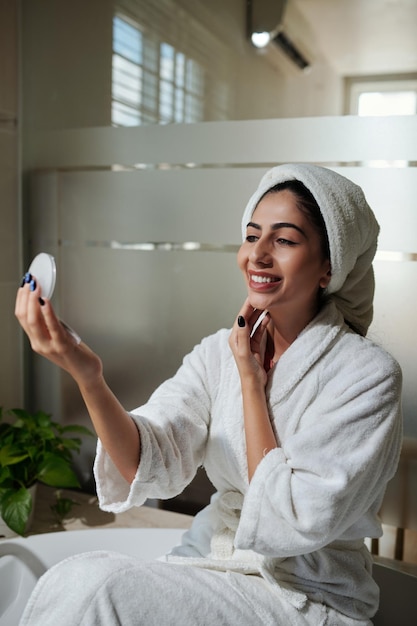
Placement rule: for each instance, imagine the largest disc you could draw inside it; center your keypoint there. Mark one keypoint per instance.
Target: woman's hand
(249, 351)
(49, 337)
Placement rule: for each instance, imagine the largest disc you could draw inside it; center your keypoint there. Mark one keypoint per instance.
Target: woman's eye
(251, 238)
(286, 242)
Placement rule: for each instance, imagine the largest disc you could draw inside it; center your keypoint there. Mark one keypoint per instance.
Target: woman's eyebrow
(277, 226)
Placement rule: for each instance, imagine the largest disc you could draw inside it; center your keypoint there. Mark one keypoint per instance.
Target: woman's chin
(258, 301)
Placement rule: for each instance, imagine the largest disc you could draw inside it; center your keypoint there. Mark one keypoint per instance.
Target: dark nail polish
(41, 301)
(241, 321)
(23, 282)
(28, 277)
(32, 285)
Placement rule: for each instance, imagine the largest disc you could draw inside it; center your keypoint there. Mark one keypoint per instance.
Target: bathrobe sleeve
(327, 479)
(173, 427)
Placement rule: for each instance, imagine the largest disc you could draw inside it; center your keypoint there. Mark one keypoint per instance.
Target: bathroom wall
(11, 362)
(66, 63)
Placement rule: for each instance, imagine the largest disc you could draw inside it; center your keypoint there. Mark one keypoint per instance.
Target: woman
(295, 418)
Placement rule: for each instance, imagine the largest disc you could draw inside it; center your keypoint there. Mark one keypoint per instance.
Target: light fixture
(264, 15)
(260, 40)
(264, 22)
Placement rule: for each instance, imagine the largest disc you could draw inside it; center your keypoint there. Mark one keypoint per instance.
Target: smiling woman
(296, 419)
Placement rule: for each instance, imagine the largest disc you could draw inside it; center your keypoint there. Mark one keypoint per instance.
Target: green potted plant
(33, 449)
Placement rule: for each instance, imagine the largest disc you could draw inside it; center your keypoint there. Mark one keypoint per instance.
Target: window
(387, 103)
(379, 97)
(383, 97)
(181, 87)
(152, 82)
(127, 73)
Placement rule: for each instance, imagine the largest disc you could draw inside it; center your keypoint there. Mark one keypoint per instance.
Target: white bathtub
(24, 560)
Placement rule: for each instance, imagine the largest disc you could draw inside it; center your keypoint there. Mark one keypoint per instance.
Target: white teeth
(262, 279)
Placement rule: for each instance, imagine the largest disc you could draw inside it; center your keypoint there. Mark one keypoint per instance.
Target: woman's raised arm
(49, 338)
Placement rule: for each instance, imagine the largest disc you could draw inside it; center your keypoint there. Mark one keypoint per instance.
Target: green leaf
(21, 413)
(56, 472)
(44, 420)
(33, 447)
(5, 474)
(9, 456)
(4, 492)
(15, 509)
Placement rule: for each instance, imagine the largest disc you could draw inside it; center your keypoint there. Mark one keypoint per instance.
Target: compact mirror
(43, 268)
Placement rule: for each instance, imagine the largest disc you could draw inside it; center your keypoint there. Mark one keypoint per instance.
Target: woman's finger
(241, 337)
(59, 332)
(21, 302)
(249, 314)
(34, 318)
(24, 310)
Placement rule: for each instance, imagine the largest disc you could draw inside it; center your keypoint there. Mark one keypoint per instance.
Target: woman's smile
(262, 281)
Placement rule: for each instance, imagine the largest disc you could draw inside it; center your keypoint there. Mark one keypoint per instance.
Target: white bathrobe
(334, 401)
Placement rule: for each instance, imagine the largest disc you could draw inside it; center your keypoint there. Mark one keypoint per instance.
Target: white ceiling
(363, 37)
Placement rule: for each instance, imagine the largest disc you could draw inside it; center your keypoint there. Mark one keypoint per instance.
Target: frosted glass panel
(171, 205)
(144, 311)
(333, 139)
(392, 195)
(394, 327)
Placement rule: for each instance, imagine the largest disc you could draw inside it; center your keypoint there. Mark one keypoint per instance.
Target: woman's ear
(324, 280)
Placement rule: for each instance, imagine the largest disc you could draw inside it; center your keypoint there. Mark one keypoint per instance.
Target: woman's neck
(284, 330)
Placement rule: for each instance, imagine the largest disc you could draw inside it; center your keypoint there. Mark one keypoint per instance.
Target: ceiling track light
(264, 21)
(286, 45)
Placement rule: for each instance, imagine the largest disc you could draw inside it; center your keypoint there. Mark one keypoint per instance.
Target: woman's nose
(260, 253)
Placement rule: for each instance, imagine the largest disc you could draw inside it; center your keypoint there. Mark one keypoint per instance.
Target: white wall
(66, 63)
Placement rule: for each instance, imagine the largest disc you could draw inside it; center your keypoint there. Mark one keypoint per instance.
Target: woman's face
(281, 257)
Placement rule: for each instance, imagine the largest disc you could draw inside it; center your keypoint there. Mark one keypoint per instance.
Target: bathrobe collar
(303, 353)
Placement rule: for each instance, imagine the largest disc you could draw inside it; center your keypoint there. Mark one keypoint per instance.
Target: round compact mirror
(43, 268)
